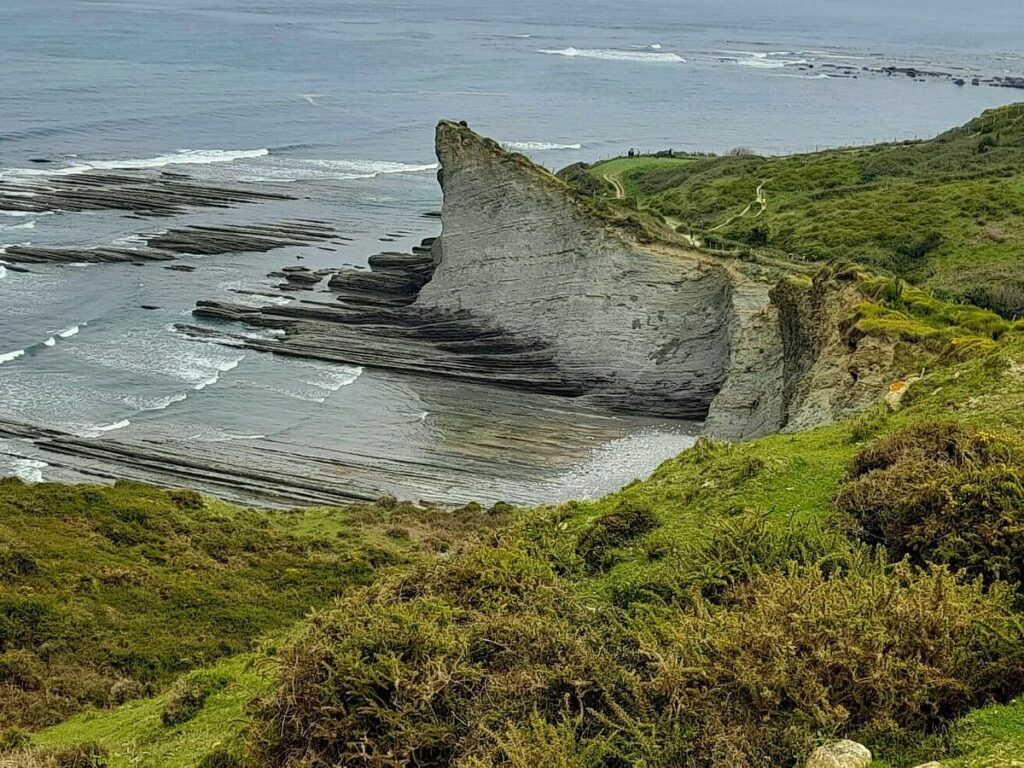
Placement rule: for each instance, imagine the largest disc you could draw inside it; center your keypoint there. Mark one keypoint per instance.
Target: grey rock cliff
(652, 331)
(532, 286)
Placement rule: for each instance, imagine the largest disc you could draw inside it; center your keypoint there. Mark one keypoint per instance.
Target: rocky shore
(529, 288)
(143, 194)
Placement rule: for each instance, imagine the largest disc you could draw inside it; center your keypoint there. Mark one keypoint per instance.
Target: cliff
(531, 285)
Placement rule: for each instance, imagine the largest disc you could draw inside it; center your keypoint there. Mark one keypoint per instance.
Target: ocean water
(334, 102)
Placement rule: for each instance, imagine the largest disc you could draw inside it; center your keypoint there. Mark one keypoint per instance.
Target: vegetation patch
(111, 593)
(938, 493)
(944, 213)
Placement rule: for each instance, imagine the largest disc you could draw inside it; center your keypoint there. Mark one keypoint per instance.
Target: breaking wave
(612, 54)
(181, 157)
(289, 169)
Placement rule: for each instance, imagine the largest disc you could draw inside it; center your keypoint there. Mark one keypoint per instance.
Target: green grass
(719, 514)
(109, 593)
(992, 737)
(136, 736)
(946, 214)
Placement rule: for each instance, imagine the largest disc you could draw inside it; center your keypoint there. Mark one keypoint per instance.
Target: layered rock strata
(192, 240)
(531, 286)
(143, 194)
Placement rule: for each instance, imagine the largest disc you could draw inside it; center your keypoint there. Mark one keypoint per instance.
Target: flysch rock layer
(530, 286)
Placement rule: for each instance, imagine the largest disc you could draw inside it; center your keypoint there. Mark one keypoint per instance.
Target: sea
(333, 103)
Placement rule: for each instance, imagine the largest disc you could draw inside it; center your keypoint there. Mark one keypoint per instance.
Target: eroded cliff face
(531, 287)
(646, 331)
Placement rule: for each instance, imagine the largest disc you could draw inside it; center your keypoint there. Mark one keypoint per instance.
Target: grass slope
(111, 592)
(946, 213)
(701, 525)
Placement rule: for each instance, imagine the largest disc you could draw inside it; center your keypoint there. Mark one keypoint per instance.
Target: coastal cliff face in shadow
(533, 286)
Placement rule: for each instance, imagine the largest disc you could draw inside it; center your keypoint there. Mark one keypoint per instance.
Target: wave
(157, 404)
(3, 270)
(330, 377)
(763, 60)
(280, 169)
(221, 367)
(112, 427)
(23, 214)
(26, 225)
(611, 54)
(7, 357)
(67, 333)
(181, 157)
(50, 342)
(538, 146)
(27, 470)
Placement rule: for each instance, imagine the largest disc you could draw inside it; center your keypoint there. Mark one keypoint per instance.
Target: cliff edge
(533, 285)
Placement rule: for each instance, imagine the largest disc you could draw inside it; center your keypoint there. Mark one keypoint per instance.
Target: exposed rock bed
(210, 240)
(200, 240)
(529, 287)
(163, 194)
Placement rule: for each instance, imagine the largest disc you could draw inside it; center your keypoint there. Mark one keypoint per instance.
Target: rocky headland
(531, 285)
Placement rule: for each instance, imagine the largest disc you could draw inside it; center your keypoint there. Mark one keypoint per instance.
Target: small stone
(840, 754)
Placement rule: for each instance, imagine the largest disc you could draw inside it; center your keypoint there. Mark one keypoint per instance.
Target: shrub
(188, 696)
(13, 738)
(221, 758)
(936, 492)
(426, 670)
(185, 499)
(879, 651)
(616, 529)
(411, 674)
(77, 756)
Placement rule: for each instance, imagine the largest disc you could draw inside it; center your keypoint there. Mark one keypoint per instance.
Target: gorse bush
(877, 651)
(77, 756)
(936, 492)
(110, 593)
(502, 656)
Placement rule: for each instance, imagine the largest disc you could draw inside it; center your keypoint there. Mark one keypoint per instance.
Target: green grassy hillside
(736, 608)
(111, 593)
(947, 213)
(744, 604)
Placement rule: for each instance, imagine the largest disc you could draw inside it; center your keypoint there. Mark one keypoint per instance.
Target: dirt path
(673, 223)
(760, 199)
(616, 182)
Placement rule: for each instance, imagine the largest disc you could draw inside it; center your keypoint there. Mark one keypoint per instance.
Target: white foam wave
(23, 214)
(112, 427)
(282, 169)
(7, 357)
(222, 366)
(181, 157)
(26, 225)
(331, 377)
(50, 342)
(3, 270)
(27, 470)
(538, 146)
(611, 54)
(157, 404)
(763, 60)
(67, 333)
